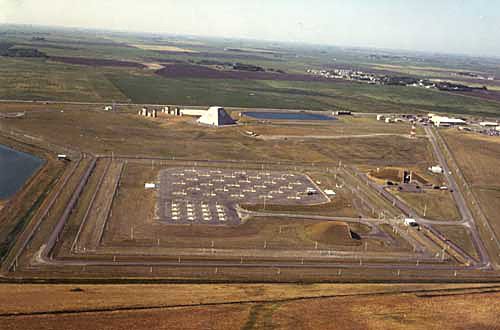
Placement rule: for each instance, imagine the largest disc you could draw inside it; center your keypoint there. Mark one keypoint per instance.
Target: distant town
(372, 78)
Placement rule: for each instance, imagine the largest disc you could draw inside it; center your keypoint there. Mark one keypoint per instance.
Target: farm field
(35, 79)
(357, 306)
(294, 94)
(175, 71)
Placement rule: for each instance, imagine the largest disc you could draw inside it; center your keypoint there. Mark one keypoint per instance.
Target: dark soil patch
(43, 45)
(196, 71)
(487, 95)
(96, 62)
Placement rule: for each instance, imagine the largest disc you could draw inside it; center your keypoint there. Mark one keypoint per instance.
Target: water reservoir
(15, 168)
(288, 116)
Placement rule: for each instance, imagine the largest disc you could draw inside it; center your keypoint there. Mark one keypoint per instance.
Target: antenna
(413, 132)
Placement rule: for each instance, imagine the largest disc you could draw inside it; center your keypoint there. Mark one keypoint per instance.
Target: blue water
(288, 115)
(15, 168)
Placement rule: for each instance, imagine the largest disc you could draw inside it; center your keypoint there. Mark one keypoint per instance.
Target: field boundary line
(459, 291)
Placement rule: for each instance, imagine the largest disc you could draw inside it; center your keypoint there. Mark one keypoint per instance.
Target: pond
(15, 168)
(288, 116)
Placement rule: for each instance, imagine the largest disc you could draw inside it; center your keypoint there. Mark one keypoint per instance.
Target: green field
(34, 78)
(299, 95)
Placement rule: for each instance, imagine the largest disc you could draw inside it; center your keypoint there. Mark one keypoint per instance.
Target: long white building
(442, 121)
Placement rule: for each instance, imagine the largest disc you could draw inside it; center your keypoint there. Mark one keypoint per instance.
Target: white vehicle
(410, 222)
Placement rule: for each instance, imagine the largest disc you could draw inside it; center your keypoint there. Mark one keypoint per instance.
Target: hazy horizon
(455, 27)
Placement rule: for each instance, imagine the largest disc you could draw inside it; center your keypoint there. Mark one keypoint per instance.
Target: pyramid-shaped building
(216, 116)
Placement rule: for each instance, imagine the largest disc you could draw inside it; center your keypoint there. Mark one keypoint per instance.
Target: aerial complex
(164, 159)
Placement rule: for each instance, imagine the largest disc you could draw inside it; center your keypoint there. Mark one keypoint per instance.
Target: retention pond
(288, 116)
(15, 168)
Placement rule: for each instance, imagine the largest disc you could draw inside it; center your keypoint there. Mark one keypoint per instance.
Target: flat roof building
(488, 124)
(441, 121)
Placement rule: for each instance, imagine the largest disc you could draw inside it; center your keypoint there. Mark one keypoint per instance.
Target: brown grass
(438, 204)
(329, 233)
(459, 236)
(343, 126)
(127, 133)
(392, 312)
(368, 311)
(20, 298)
(478, 158)
(391, 174)
(340, 206)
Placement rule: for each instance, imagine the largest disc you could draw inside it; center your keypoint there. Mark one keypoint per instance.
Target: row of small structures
(154, 113)
(214, 116)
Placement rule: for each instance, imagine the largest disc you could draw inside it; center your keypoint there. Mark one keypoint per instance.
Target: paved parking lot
(204, 195)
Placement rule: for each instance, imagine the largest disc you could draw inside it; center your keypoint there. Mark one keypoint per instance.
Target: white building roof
(446, 120)
(488, 123)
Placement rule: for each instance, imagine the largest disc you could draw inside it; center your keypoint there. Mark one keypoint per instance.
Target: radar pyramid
(216, 116)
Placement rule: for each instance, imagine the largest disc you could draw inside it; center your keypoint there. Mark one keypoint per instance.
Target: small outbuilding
(436, 169)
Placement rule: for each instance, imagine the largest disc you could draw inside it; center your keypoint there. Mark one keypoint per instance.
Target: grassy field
(134, 207)
(460, 237)
(45, 79)
(35, 79)
(279, 306)
(298, 95)
(478, 158)
(437, 204)
(18, 298)
(126, 133)
(343, 126)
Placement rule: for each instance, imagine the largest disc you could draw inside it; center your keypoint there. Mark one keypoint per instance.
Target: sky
(445, 26)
